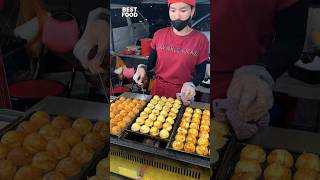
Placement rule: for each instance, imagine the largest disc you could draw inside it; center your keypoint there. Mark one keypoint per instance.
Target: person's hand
(252, 87)
(189, 90)
(96, 35)
(187, 93)
(140, 75)
(227, 110)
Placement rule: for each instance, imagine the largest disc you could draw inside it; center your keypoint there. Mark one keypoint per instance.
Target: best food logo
(129, 12)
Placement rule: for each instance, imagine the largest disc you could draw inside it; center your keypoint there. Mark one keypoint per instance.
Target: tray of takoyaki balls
(41, 145)
(124, 110)
(157, 120)
(248, 161)
(192, 135)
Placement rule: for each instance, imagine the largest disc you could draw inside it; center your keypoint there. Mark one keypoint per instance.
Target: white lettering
(129, 12)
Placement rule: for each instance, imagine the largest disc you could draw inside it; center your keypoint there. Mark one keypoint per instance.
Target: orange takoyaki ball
(189, 147)
(182, 131)
(181, 138)
(115, 130)
(177, 145)
(204, 128)
(193, 132)
(206, 112)
(126, 119)
(198, 111)
(191, 139)
(194, 126)
(121, 124)
(189, 110)
(196, 120)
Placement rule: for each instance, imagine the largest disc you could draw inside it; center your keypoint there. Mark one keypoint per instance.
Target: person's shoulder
(200, 35)
(162, 31)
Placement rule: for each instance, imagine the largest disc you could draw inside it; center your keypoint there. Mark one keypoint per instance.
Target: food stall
(148, 143)
(56, 138)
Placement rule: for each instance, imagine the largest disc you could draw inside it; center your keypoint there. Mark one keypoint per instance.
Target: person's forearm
(290, 27)
(152, 60)
(200, 73)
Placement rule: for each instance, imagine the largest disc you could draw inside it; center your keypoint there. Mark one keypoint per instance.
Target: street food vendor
(254, 44)
(178, 54)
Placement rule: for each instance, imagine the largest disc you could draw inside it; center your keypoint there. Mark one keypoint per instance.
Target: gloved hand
(227, 110)
(189, 90)
(185, 101)
(140, 74)
(187, 93)
(252, 87)
(96, 34)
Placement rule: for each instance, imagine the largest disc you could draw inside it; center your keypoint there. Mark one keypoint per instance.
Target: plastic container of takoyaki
(146, 98)
(85, 166)
(232, 156)
(202, 106)
(141, 137)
